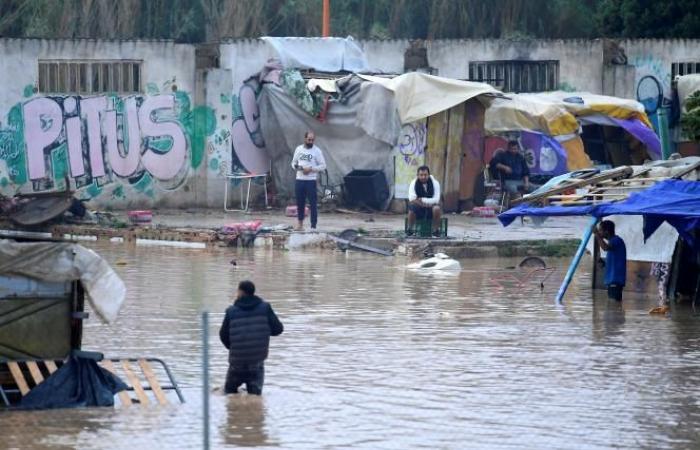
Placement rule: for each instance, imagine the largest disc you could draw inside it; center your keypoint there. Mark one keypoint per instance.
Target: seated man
(512, 167)
(424, 200)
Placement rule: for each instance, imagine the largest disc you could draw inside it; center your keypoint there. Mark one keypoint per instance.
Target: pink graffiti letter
(43, 120)
(162, 166)
(91, 108)
(75, 149)
(126, 163)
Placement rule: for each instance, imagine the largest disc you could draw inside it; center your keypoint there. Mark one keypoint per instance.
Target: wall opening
(517, 75)
(90, 76)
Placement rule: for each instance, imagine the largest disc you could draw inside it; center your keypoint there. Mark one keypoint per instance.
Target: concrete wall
(121, 150)
(194, 126)
(654, 57)
(580, 61)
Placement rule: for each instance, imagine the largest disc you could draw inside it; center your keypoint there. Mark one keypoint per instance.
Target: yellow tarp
(576, 157)
(618, 108)
(520, 112)
(548, 113)
(419, 95)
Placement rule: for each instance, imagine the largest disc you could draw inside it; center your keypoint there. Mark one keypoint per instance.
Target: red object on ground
(483, 211)
(143, 216)
(291, 211)
(237, 227)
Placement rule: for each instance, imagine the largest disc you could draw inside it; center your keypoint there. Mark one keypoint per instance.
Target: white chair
(244, 176)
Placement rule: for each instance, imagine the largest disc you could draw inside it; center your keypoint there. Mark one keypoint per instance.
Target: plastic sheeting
(322, 54)
(687, 85)
(61, 262)
(80, 382)
(584, 104)
(530, 113)
(674, 201)
(345, 144)
(419, 95)
(658, 248)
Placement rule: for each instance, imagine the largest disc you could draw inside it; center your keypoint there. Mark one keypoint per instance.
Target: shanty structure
(656, 209)
(44, 286)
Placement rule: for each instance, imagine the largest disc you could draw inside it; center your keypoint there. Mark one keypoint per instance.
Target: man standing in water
(308, 162)
(616, 259)
(245, 332)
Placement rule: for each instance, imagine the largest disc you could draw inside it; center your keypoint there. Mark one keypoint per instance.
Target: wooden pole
(326, 28)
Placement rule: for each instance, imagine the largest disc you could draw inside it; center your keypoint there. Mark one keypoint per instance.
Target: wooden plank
(19, 377)
(437, 145)
(153, 381)
(123, 395)
(453, 158)
(135, 383)
(472, 151)
(51, 366)
(687, 170)
(607, 175)
(36, 373)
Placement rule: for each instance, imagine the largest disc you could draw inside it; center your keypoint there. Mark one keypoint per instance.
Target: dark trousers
(615, 291)
(307, 189)
(252, 375)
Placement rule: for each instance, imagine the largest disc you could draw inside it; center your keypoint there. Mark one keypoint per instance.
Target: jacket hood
(248, 302)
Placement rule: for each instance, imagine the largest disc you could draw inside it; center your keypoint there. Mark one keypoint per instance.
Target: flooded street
(374, 356)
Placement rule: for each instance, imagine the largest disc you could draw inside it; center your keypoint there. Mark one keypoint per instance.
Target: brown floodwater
(374, 356)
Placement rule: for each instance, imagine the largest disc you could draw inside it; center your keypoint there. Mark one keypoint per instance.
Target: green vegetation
(209, 20)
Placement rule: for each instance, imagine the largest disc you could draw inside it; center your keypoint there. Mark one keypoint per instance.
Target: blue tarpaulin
(674, 201)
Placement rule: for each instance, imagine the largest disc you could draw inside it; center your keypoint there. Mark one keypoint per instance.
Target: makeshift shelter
(43, 285)
(369, 122)
(652, 205)
(585, 129)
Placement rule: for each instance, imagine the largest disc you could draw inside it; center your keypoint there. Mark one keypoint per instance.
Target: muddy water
(374, 357)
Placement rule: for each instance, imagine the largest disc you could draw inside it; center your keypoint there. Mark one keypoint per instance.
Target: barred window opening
(89, 77)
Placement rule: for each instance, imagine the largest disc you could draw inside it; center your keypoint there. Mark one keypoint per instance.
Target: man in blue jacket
(615, 260)
(245, 332)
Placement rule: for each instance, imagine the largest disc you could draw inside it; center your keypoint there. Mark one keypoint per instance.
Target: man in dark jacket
(245, 332)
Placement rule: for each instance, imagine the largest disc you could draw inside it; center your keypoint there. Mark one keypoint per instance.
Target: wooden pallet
(138, 374)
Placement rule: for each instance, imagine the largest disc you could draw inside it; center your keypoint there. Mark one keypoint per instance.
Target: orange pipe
(326, 28)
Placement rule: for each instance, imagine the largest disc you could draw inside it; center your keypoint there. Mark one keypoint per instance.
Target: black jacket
(246, 330)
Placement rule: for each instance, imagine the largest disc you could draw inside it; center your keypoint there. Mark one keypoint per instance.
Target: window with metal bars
(684, 68)
(517, 76)
(89, 77)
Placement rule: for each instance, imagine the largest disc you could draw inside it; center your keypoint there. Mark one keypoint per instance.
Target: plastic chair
(244, 176)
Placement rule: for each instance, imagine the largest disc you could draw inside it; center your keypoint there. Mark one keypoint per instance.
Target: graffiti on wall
(652, 81)
(93, 142)
(248, 149)
(544, 155)
(409, 154)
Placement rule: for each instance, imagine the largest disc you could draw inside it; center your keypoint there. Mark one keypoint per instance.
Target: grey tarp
(345, 145)
(62, 261)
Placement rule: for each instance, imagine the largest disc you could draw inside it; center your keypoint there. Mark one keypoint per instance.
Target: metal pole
(205, 376)
(577, 259)
(326, 18)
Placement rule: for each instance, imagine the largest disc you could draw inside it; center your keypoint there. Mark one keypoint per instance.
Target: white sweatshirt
(308, 157)
(434, 200)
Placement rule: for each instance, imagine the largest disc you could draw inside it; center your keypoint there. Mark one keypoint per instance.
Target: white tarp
(419, 95)
(345, 144)
(322, 54)
(687, 85)
(658, 248)
(60, 262)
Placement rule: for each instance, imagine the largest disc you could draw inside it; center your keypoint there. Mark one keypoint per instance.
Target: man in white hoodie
(308, 162)
(424, 201)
